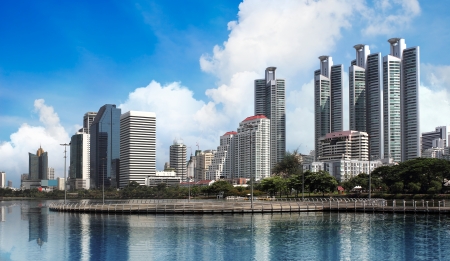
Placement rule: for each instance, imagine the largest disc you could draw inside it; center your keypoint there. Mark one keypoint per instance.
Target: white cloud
(434, 106)
(178, 115)
(390, 17)
(28, 139)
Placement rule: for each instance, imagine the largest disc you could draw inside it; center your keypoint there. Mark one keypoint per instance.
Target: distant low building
(170, 178)
(343, 170)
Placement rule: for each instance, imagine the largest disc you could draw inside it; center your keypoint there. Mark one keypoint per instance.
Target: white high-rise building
(137, 147)
(374, 83)
(357, 88)
(178, 158)
(79, 170)
(222, 164)
(252, 148)
(410, 103)
(2, 179)
(270, 101)
(51, 173)
(401, 70)
(328, 97)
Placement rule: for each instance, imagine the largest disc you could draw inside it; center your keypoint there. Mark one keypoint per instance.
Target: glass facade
(105, 146)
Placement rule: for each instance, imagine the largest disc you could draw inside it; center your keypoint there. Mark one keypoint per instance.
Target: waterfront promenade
(259, 206)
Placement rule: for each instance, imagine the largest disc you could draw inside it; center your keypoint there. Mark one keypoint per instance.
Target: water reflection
(28, 229)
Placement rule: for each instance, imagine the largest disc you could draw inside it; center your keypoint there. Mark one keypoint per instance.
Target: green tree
(290, 165)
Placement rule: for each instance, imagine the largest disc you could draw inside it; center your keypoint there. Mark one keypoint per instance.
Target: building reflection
(38, 223)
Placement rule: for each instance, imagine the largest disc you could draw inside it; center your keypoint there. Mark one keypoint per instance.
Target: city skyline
(162, 59)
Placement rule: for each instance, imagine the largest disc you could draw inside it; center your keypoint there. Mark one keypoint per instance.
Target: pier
(259, 206)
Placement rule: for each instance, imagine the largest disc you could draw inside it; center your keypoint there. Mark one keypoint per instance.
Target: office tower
(252, 148)
(365, 96)
(270, 101)
(178, 158)
(105, 146)
(336, 103)
(88, 119)
(222, 165)
(328, 96)
(428, 137)
(2, 179)
(374, 81)
(357, 89)
(38, 165)
(137, 147)
(344, 145)
(10, 184)
(401, 69)
(203, 161)
(79, 171)
(410, 123)
(51, 173)
(391, 100)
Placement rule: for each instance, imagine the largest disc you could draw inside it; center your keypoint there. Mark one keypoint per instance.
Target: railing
(261, 206)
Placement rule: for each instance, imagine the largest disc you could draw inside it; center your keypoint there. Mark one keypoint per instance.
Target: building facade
(344, 145)
(137, 147)
(105, 146)
(343, 169)
(178, 158)
(252, 148)
(38, 165)
(2, 179)
(222, 164)
(328, 99)
(79, 170)
(428, 137)
(203, 160)
(270, 101)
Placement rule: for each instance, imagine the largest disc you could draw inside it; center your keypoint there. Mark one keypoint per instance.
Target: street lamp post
(251, 165)
(189, 184)
(65, 177)
(103, 178)
(370, 172)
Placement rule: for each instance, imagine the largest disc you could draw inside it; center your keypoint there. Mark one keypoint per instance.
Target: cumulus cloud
(28, 139)
(178, 116)
(390, 17)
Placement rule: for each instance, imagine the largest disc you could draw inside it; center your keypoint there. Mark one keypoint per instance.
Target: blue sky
(193, 63)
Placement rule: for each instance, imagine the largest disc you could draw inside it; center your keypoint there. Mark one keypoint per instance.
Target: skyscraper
(2, 179)
(328, 96)
(357, 89)
(252, 148)
(88, 119)
(364, 96)
(79, 171)
(137, 147)
(374, 81)
(105, 145)
(270, 101)
(38, 165)
(178, 158)
(410, 103)
(401, 69)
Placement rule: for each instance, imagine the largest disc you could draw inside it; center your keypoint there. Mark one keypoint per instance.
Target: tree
(295, 182)
(272, 185)
(323, 182)
(290, 165)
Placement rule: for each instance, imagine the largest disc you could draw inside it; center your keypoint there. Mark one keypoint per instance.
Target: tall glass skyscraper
(328, 99)
(364, 96)
(401, 70)
(270, 101)
(105, 146)
(38, 165)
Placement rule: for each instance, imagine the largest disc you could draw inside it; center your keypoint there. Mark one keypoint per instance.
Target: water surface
(28, 230)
